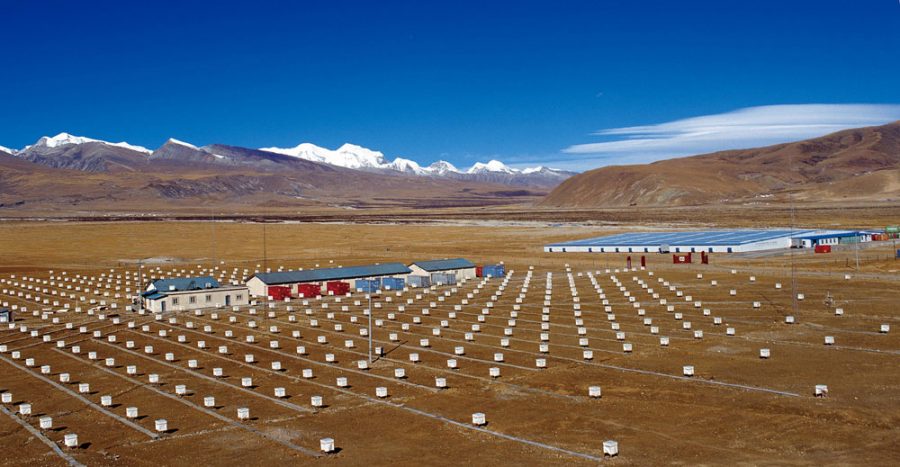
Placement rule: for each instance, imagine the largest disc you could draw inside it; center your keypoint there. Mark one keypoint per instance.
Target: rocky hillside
(858, 164)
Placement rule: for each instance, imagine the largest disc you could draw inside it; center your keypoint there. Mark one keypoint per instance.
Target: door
(228, 300)
(162, 306)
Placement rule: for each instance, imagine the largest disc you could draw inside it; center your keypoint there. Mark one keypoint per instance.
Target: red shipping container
(279, 292)
(338, 287)
(681, 258)
(823, 249)
(309, 290)
(479, 271)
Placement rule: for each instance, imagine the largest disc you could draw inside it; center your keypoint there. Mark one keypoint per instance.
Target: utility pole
(213, 221)
(370, 323)
(140, 287)
(795, 304)
(265, 251)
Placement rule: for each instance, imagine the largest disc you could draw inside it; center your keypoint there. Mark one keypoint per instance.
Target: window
(729, 249)
(174, 300)
(646, 250)
(209, 299)
(239, 297)
(192, 299)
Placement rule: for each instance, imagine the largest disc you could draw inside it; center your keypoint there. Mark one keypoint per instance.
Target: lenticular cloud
(743, 128)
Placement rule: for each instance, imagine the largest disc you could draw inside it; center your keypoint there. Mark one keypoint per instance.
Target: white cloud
(743, 128)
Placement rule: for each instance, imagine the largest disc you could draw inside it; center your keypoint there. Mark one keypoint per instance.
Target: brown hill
(858, 164)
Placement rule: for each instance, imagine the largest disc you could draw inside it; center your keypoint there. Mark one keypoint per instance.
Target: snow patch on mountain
(66, 138)
(182, 143)
(6, 149)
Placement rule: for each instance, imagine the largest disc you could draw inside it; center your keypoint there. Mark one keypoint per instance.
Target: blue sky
(525, 82)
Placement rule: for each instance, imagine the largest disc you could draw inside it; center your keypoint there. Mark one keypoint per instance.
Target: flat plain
(737, 408)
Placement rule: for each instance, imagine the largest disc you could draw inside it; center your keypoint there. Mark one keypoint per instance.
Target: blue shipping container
(494, 270)
(392, 283)
(418, 281)
(443, 278)
(368, 285)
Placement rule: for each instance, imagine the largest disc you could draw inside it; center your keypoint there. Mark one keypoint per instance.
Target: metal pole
(370, 323)
(140, 287)
(265, 252)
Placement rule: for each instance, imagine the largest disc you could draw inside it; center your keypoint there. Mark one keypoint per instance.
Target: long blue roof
(830, 235)
(182, 284)
(706, 237)
(329, 274)
(444, 264)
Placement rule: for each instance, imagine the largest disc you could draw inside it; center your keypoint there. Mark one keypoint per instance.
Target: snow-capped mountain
(357, 157)
(7, 150)
(441, 168)
(87, 154)
(406, 166)
(350, 156)
(492, 166)
(181, 143)
(63, 139)
(66, 151)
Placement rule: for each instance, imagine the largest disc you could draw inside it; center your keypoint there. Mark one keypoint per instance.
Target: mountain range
(861, 164)
(73, 174)
(91, 155)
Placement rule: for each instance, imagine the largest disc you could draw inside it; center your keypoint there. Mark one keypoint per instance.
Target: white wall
(784, 242)
(238, 295)
(468, 273)
(257, 287)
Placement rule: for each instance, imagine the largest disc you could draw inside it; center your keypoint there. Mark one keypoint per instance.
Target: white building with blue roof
(191, 293)
(457, 268)
(710, 241)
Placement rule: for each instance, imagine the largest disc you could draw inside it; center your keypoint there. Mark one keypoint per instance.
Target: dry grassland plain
(737, 409)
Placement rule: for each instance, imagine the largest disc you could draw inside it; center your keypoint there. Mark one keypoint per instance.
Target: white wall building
(718, 241)
(462, 268)
(191, 293)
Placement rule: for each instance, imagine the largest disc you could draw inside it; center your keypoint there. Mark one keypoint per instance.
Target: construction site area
(553, 359)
